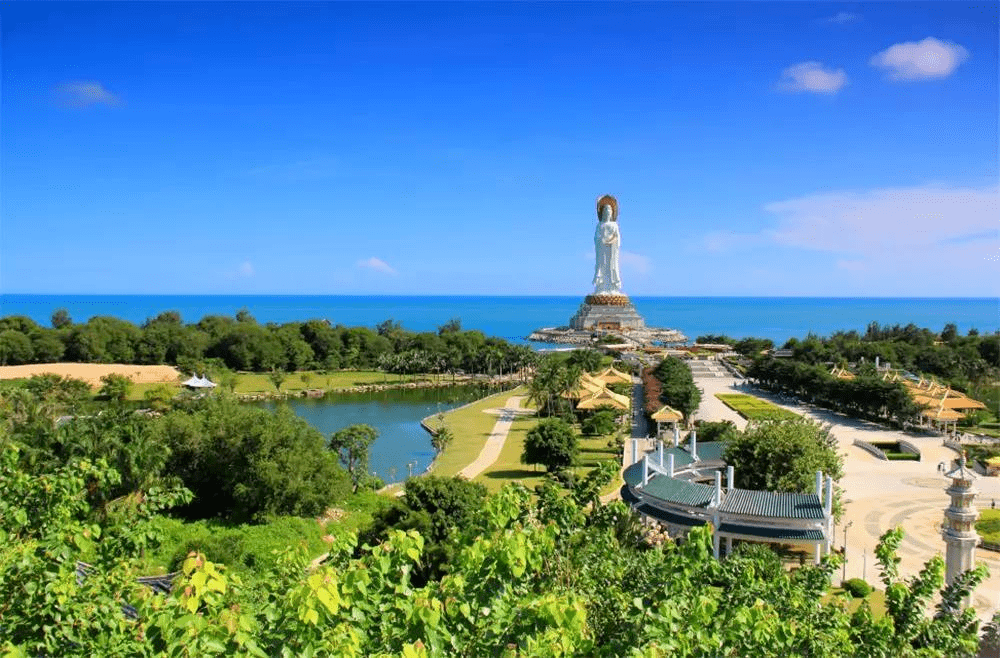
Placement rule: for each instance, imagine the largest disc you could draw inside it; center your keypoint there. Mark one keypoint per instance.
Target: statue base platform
(607, 312)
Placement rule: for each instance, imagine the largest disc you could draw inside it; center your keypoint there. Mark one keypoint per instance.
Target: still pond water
(395, 414)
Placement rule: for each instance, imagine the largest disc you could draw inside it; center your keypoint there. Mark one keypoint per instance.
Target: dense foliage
(783, 456)
(545, 578)
(435, 507)
(956, 359)
(550, 387)
(746, 346)
(243, 344)
(603, 421)
(866, 395)
(670, 382)
(242, 462)
(552, 443)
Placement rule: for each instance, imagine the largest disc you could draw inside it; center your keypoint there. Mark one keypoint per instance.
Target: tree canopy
(782, 455)
(525, 578)
(552, 443)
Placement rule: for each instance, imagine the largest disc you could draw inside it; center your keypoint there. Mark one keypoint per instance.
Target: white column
(694, 445)
(677, 435)
(730, 478)
(660, 448)
(670, 464)
(635, 450)
(645, 470)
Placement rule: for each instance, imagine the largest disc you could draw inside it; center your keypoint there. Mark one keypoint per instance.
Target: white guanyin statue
(607, 241)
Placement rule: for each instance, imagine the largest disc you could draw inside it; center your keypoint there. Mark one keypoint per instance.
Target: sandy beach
(92, 372)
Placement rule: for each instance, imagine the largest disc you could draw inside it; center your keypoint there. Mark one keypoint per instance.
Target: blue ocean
(513, 318)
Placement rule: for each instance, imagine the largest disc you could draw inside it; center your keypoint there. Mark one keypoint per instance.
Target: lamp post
(843, 575)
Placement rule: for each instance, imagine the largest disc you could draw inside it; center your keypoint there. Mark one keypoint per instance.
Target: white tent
(198, 382)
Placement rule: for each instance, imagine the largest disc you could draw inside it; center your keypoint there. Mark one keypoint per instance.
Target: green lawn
(988, 525)
(247, 382)
(876, 601)
(753, 408)
(471, 427)
(508, 467)
(253, 382)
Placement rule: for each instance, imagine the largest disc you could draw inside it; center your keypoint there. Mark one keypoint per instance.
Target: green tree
(603, 421)
(61, 318)
(586, 359)
(278, 378)
(158, 398)
(15, 348)
(353, 445)
(115, 387)
(245, 463)
(441, 438)
(677, 387)
(551, 443)
(783, 455)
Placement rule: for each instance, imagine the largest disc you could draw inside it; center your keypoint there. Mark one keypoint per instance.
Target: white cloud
(245, 269)
(842, 18)
(721, 241)
(921, 60)
(636, 262)
(812, 77)
(376, 265)
(84, 93)
(932, 235)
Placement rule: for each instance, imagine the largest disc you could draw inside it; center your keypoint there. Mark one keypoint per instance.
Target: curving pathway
(494, 444)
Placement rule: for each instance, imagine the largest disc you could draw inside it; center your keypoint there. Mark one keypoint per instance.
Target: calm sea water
(513, 318)
(395, 414)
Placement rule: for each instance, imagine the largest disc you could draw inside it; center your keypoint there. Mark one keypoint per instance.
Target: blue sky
(794, 148)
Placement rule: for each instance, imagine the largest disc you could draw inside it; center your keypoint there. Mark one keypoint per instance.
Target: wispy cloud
(636, 262)
(812, 77)
(84, 93)
(841, 18)
(245, 269)
(722, 241)
(920, 60)
(376, 265)
(920, 232)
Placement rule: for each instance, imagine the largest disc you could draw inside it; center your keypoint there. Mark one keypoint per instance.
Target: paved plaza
(878, 495)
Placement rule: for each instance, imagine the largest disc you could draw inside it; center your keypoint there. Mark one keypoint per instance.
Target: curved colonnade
(666, 485)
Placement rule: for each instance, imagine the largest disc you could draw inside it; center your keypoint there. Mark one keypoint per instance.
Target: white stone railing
(906, 446)
(864, 445)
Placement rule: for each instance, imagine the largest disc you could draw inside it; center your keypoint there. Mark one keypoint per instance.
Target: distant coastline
(514, 317)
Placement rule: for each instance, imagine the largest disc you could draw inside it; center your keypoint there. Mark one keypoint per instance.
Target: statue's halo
(608, 200)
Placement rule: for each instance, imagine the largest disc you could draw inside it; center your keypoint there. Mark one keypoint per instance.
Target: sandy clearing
(92, 372)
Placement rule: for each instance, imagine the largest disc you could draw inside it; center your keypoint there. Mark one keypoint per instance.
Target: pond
(402, 443)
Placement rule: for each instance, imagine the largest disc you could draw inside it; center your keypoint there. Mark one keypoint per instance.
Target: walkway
(879, 495)
(494, 444)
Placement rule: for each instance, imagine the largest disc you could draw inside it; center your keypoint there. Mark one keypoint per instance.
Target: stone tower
(959, 530)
